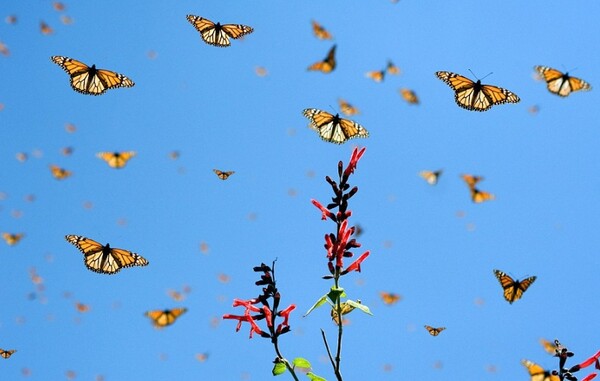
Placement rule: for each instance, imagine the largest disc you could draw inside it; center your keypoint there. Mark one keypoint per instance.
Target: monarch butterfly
(81, 307)
(538, 373)
(513, 289)
(176, 295)
(561, 84)
(479, 196)
(163, 318)
(409, 96)
(473, 95)
(6, 353)
(202, 356)
(4, 49)
(67, 151)
(12, 239)
(376, 76)
(434, 331)
(320, 32)
(392, 69)
(104, 259)
(58, 6)
(332, 128)
(327, 65)
(222, 174)
(67, 20)
(89, 80)
(45, 28)
(261, 71)
(59, 173)
(549, 346)
(431, 176)
(471, 180)
(389, 298)
(346, 108)
(217, 34)
(116, 159)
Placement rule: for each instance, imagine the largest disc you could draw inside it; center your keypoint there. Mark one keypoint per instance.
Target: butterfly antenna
(490, 73)
(473, 73)
(333, 109)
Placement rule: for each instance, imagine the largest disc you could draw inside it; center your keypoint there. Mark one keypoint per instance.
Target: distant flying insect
(67, 151)
(163, 318)
(549, 346)
(471, 180)
(431, 176)
(434, 331)
(479, 196)
(202, 357)
(261, 71)
(332, 128)
(389, 298)
(217, 34)
(474, 96)
(58, 6)
(376, 76)
(513, 289)
(66, 20)
(561, 84)
(409, 96)
(12, 239)
(104, 259)
(320, 32)
(45, 28)
(4, 49)
(327, 65)
(346, 108)
(59, 173)
(223, 175)
(6, 353)
(538, 373)
(392, 69)
(89, 80)
(11, 19)
(116, 159)
(81, 307)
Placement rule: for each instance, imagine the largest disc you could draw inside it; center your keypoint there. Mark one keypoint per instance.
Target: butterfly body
(513, 289)
(332, 128)
(90, 80)
(103, 258)
(561, 84)
(474, 96)
(216, 34)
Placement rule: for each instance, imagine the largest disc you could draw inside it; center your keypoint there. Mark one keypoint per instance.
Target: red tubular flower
(325, 212)
(589, 377)
(355, 266)
(249, 304)
(285, 314)
(356, 155)
(268, 316)
(590, 361)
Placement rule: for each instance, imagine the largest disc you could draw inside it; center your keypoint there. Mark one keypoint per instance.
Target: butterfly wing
(6, 353)
(474, 96)
(561, 83)
(332, 128)
(479, 196)
(12, 239)
(434, 331)
(392, 69)
(116, 159)
(513, 290)
(104, 259)
(222, 174)
(430, 176)
(327, 65)
(346, 108)
(216, 34)
(376, 75)
(320, 32)
(163, 318)
(471, 180)
(537, 373)
(59, 173)
(409, 96)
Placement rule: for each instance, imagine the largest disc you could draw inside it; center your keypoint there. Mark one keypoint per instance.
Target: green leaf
(319, 303)
(299, 362)
(278, 369)
(314, 377)
(360, 306)
(336, 293)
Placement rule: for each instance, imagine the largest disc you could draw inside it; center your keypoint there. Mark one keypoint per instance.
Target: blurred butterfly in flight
(434, 331)
(223, 175)
(116, 159)
(320, 32)
(559, 83)
(327, 65)
(163, 318)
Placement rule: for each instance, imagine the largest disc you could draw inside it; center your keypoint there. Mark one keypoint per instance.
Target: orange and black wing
(104, 259)
(513, 289)
(434, 331)
(561, 84)
(320, 32)
(116, 159)
(332, 128)
(89, 80)
(223, 175)
(163, 318)
(217, 34)
(327, 65)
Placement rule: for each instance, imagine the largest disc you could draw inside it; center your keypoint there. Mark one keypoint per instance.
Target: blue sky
(432, 245)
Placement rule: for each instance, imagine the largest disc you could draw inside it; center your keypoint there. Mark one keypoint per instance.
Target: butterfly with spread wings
(434, 331)
(217, 34)
(392, 69)
(116, 159)
(513, 289)
(538, 373)
(561, 84)
(223, 175)
(376, 75)
(6, 353)
(163, 318)
(477, 196)
(431, 176)
(389, 298)
(473, 95)
(89, 80)
(332, 128)
(409, 96)
(12, 239)
(320, 32)
(327, 65)
(104, 259)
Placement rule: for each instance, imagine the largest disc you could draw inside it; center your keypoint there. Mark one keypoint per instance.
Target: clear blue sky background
(209, 104)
